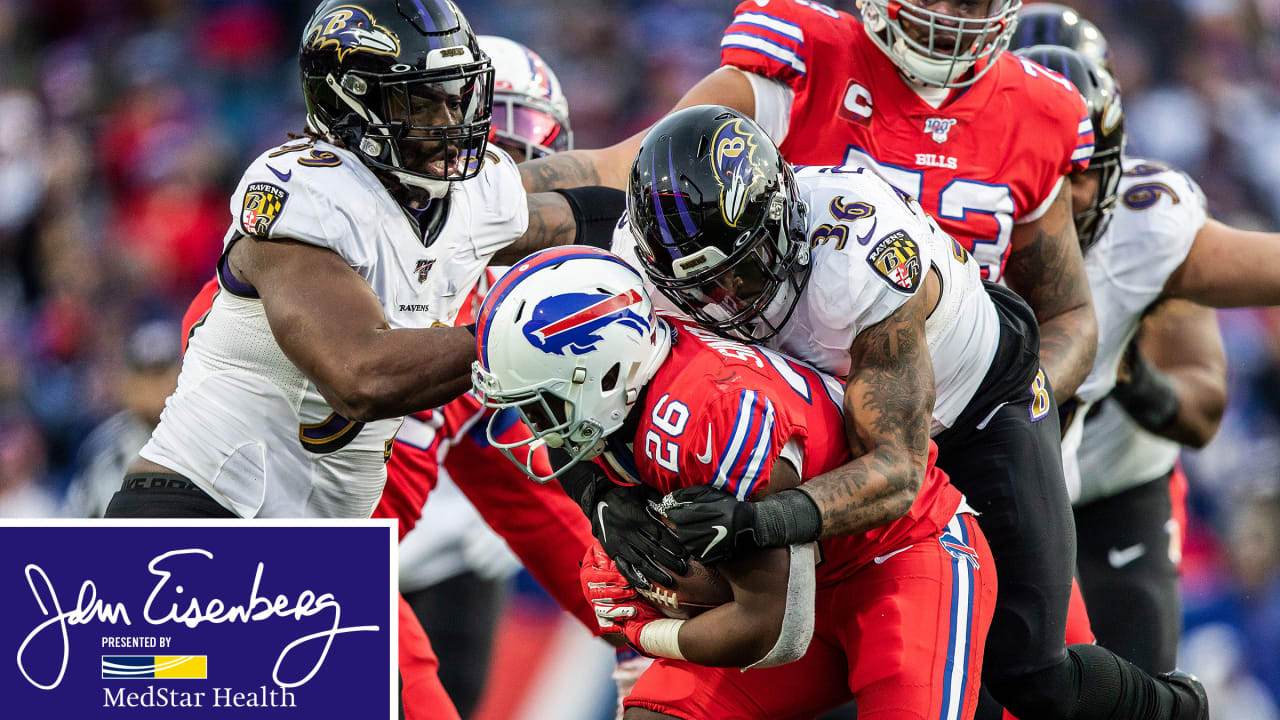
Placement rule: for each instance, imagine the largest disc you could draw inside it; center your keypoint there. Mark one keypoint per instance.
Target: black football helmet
(719, 226)
(1053, 24)
(401, 83)
(1105, 112)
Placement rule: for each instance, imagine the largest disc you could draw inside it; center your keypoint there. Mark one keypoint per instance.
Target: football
(695, 592)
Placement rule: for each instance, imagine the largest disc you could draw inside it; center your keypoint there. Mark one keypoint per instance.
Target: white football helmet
(951, 45)
(530, 114)
(568, 338)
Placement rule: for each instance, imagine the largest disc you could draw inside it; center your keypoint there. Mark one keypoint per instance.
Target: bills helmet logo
(737, 168)
(350, 28)
(938, 128)
(570, 323)
(957, 549)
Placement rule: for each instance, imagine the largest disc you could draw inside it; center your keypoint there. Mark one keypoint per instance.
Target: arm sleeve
(768, 41)
(773, 105)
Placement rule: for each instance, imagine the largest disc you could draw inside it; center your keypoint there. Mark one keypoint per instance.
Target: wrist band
(662, 638)
(790, 517)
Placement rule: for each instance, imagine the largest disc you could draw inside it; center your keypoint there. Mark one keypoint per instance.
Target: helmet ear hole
(610, 379)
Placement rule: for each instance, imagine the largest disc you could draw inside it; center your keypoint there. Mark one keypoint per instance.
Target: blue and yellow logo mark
(351, 28)
(737, 168)
(155, 667)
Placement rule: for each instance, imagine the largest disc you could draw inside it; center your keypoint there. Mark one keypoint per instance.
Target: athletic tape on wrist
(662, 638)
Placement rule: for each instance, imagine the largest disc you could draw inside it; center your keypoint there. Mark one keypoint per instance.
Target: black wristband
(790, 517)
(1149, 396)
(596, 210)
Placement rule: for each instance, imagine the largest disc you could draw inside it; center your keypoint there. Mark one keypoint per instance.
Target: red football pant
(423, 696)
(903, 637)
(543, 527)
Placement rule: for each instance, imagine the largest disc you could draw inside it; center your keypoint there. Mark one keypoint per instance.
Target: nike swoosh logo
(881, 560)
(600, 514)
(864, 239)
(705, 458)
(284, 177)
(1119, 558)
(721, 533)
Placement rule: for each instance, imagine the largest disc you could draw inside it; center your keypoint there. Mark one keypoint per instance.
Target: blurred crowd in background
(124, 125)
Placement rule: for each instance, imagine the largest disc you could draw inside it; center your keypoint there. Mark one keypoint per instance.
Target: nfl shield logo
(422, 268)
(938, 128)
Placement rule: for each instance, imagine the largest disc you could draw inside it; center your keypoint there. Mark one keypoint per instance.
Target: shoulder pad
(311, 192)
(780, 39)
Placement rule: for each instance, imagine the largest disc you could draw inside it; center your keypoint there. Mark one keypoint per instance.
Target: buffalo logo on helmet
(896, 258)
(570, 323)
(737, 168)
(351, 28)
(262, 205)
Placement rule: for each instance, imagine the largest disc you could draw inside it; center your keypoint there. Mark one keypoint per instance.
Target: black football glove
(711, 524)
(641, 545)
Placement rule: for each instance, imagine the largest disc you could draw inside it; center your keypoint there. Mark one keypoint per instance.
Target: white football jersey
(1156, 220)
(871, 251)
(245, 424)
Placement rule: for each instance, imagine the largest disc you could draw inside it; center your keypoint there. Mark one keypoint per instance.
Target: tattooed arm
(609, 166)
(550, 224)
(888, 405)
(1046, 268)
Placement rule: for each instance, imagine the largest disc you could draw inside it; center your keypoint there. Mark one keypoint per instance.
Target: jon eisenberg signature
(89, 608)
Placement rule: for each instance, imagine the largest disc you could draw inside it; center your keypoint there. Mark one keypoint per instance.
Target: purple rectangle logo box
(198, 619)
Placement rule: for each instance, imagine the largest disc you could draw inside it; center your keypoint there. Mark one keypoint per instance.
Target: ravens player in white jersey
(838, 268)
(1155, 260)
(346, 249)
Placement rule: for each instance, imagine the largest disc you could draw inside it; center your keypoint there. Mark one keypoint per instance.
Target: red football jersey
(990, 155)
(719, 412)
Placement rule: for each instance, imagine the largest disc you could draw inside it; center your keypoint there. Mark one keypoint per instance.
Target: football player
(922, 92)
(1154, 258)
(347, 247)
(893, 616)
(841, 270)
(446, 437)
(530, 114)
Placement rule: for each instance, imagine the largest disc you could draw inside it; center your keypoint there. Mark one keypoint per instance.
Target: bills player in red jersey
(924, 93)
(893, 617)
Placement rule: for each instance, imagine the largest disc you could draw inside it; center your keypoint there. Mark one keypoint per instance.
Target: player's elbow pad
(798, 618)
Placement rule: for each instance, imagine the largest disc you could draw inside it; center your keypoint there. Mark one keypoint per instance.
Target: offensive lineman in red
(894, 617)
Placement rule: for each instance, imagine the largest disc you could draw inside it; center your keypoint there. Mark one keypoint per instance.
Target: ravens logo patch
(262, 205)
(896, 258)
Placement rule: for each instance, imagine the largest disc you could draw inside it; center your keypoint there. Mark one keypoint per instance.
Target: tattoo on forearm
(1048, 271)
(550, 224)
(890, 397)
(564, 170)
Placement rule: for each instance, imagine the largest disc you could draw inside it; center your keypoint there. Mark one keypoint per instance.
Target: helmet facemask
(531, 129)
(750, 294)
(1092, 222)
(426, 128)
(935, 48)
